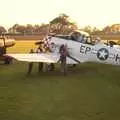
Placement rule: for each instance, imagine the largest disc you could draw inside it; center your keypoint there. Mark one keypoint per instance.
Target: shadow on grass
(79, 70)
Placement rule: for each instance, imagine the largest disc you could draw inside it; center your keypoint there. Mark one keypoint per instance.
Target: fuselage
(86, 52)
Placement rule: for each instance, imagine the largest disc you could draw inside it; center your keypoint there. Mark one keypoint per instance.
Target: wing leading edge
(42, 57)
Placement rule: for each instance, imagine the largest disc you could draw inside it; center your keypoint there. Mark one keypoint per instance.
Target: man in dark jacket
(63, 56)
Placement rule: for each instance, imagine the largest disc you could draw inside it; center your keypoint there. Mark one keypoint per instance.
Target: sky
(97, 13)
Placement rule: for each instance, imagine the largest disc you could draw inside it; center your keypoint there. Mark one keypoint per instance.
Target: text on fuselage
(84, 49)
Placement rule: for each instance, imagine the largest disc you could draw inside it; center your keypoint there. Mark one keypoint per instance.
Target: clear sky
(84, 12)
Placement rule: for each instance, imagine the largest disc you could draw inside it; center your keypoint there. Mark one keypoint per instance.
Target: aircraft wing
(41, 57)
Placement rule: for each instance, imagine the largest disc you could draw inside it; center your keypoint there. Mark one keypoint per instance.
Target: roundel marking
(102, 54)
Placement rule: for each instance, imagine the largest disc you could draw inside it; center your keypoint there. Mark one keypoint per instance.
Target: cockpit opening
(79, 36)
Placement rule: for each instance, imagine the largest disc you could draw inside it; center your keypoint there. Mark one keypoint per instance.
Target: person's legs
(45, 68)
(40, 66)
(64, 67)
(30, 66)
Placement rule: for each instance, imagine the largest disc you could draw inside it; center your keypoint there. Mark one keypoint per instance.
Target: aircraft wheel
(72, 66)
(51, 67)
(7, 60)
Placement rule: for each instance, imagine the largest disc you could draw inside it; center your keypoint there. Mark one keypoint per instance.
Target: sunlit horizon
(96, 13)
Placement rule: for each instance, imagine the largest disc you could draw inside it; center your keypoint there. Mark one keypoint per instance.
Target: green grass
(88, 92)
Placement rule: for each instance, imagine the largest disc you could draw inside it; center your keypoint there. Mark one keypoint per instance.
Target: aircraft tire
(74, 65)
(7, 60)
(51, 67)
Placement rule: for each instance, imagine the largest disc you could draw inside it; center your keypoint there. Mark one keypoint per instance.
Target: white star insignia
(102, 54)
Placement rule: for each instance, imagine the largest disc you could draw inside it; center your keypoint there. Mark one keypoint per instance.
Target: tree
(44, 29)
(95, 30)
(107, 29)
(29, 29)
(87, 29)
(61, 24)
(115, 28)
(2, 30)
(21, 29)
(13, 28)
(36, 29)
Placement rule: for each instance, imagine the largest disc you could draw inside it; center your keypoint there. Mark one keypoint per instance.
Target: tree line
(62, 24)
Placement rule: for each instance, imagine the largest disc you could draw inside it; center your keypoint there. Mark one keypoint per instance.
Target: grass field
(88, 92)
(22, 46)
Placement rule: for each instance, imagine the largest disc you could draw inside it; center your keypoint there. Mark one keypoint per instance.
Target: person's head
(98, 39)
(62, 45)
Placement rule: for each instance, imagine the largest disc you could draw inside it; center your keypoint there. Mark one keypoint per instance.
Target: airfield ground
(89, 91)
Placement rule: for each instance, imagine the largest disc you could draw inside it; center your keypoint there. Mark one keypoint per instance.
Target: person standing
(40, 64)
(63, 56)
(30, 64)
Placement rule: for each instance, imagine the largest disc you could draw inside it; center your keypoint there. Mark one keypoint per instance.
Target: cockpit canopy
(79, 36)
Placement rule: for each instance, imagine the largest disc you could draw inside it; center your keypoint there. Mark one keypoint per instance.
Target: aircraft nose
(13, 42)
(10, 42)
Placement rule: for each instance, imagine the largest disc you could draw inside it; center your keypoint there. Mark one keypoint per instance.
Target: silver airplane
(80, 48)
